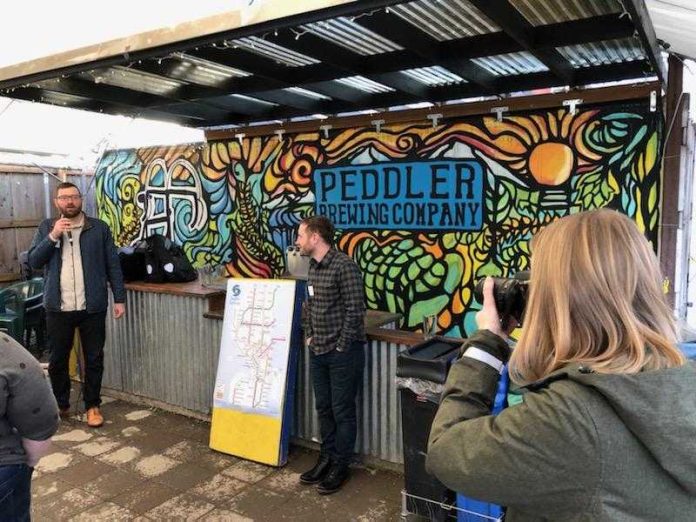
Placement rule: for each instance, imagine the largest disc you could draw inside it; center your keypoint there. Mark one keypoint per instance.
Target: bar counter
(165, 353)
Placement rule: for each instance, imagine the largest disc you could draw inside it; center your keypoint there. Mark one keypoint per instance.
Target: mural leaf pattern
(240, 204)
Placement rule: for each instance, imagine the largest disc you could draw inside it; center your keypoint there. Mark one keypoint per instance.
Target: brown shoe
(94, 418)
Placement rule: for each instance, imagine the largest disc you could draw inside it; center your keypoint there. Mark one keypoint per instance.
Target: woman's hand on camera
(488, 318)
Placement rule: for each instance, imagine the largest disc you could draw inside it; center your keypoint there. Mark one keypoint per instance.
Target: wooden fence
(26, 198)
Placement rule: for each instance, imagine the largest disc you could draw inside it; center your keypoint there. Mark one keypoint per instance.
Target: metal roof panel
(601, 53)
(346, 33)
(544, 12)
(119, 76)
(203, 72)
(435, 76)
(446, 19)
(364, 84)
(511, 64)
(257, 45)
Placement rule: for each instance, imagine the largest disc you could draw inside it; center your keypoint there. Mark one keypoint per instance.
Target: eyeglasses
(69, 198)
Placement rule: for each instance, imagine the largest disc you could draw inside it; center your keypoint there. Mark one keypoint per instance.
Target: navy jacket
(100, 265)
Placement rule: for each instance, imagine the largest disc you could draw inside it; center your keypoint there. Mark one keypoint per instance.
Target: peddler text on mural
(424, 195)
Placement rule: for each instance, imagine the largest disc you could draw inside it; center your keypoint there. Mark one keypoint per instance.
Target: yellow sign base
(247, 435)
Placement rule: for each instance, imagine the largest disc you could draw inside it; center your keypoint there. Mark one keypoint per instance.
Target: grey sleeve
(30, 408)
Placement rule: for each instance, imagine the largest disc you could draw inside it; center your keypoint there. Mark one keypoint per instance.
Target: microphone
(67, 232)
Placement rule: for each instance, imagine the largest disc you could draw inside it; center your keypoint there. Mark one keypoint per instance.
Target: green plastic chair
(35, 316)
(12, 312)
(29, 308)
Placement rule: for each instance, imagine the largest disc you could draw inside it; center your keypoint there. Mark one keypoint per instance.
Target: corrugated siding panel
(379, 406)
(165, 349)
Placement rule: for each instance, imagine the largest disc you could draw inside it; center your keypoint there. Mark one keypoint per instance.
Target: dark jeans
(336, 377)
(15, 493)
(61, 328)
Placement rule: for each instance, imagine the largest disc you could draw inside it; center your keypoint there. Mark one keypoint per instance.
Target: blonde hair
(595, 299)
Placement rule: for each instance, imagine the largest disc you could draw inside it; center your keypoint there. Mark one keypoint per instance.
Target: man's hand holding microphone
(61, 225)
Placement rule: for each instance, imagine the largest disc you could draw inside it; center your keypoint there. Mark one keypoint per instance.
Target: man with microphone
(78, 256)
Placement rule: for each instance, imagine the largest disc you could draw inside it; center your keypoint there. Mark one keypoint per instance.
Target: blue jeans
(15, 493)
(336, 377)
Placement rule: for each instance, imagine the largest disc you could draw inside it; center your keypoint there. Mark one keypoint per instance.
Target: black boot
(336, 477)
(318, 472)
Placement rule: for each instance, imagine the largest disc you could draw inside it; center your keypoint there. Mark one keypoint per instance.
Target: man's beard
(72, 212)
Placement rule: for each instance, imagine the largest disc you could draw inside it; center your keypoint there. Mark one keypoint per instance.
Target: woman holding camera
(607, 429)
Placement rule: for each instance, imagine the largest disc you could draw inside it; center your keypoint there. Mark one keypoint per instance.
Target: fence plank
(27, 197)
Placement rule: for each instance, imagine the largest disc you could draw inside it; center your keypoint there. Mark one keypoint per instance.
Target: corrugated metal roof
(203, 72)
(254, 100)
(60, 98)
(445, 19)
(510, 64)
(544, 12)
(307, 93)
(434, 76)
(599, 53)
(364, 84)
(280, 54)
(422, 73)
(346, 33)
(136, 80)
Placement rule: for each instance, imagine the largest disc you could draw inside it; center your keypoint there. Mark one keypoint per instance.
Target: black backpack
(132, 260)
(166, 262)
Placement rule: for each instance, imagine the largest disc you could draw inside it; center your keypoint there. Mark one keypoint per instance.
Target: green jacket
(582, 445)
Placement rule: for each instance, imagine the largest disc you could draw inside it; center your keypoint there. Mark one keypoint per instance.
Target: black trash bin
(425, 363)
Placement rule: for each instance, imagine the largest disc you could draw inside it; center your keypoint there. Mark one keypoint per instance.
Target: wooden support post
(670, 175)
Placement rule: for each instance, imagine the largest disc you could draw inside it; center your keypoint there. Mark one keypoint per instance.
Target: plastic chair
(25, 313)
(35, 322)
(34, 314)
(12, 312)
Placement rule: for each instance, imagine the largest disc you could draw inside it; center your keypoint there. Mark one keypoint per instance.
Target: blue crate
(472, 510)
(689, 349)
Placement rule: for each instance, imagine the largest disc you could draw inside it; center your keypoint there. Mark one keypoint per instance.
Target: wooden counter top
(400, 336)
(192, 289)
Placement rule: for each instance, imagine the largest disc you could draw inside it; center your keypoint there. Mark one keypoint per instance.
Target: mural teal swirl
(240, 203)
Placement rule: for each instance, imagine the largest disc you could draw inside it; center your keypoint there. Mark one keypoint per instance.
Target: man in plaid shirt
(334, 326)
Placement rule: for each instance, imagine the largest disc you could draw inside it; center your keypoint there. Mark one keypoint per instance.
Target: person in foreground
(28, 419)
(334, 326)
(78, 256)
(607, 430)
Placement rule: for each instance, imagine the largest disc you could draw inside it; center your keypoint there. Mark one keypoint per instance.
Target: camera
(510, 295)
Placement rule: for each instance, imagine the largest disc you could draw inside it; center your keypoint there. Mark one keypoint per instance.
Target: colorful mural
(240, 203)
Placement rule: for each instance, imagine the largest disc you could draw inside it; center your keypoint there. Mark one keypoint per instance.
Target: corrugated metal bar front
(164, 349)
(379, 406)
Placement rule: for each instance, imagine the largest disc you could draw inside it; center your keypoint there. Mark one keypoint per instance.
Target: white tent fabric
(674, 22)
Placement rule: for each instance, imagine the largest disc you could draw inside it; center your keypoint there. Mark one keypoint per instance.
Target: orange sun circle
(551, 163)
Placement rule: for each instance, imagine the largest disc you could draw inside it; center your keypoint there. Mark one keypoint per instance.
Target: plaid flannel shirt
(334, 316)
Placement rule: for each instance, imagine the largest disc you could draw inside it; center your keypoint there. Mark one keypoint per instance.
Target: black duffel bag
(132, 260)
(166, 262)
